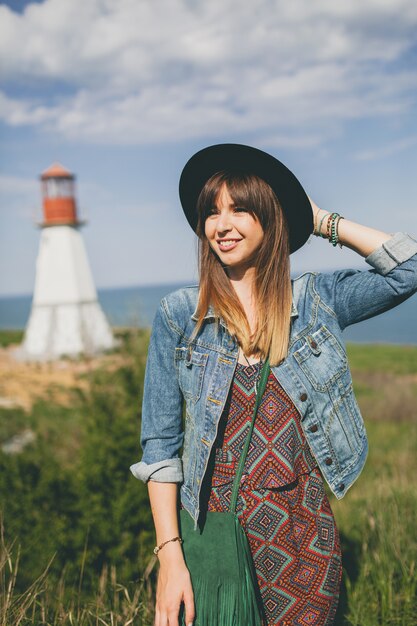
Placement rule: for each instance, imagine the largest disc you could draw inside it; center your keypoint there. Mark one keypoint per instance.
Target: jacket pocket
(344, 425)
(353, 419)
(191, 367)
(322, 359)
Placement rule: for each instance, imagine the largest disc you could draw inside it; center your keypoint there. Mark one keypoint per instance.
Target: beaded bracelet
(332, 228)
(335, 230)
(157, 548)
(330, 223)
(333, 233)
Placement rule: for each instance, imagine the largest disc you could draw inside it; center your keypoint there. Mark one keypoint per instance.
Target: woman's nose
(223, 221)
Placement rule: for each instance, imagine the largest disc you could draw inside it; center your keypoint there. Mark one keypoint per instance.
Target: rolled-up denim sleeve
(355, 295)
(161, 429)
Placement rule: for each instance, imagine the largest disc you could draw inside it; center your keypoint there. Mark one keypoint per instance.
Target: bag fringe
(229, 602)
(227, 605)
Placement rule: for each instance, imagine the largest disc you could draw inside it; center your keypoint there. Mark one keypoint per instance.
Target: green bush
(70, 494)
(69, 501)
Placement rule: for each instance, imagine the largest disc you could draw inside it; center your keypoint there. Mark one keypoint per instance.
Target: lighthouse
(66, 318)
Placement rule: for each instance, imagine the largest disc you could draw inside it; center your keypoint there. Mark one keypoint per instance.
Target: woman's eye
(215, 211)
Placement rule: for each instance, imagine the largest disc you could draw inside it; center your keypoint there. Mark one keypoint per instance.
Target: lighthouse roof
(56, 170)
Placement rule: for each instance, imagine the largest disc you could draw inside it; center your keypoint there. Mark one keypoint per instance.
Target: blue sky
(122, 93)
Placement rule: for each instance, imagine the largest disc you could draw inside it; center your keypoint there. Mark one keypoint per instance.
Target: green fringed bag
(219, 559)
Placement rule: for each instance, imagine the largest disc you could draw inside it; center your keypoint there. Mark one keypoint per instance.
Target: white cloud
(387, 150)
(140, 72)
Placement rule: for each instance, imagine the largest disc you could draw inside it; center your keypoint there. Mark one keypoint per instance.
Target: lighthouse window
(59, 188)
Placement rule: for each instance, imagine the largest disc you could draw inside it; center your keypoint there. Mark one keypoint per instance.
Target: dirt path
(21, 383)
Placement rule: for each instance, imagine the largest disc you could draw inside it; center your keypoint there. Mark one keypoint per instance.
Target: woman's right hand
(173, 587)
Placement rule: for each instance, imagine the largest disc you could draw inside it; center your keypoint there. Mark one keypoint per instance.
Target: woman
(207, 347)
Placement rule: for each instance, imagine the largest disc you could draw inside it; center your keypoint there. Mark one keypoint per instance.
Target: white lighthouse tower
(66, 317)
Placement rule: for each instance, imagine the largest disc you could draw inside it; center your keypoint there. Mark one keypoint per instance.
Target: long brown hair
(272, 284)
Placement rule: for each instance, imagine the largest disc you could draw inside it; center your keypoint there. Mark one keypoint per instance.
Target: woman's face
(233, 233)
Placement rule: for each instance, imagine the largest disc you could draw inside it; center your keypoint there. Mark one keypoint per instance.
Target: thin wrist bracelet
(157, 548)
(319, 233)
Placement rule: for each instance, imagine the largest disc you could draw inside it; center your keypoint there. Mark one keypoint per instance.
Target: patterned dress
(282, 504)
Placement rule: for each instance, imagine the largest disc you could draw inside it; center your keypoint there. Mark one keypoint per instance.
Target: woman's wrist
(157, 549)
(172, 553)
(326, 225)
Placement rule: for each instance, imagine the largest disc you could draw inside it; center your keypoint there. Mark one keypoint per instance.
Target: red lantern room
(58, 191)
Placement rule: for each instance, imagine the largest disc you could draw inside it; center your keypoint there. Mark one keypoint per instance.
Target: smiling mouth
(228, 244)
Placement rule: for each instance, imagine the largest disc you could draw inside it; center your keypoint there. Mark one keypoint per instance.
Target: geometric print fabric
(282, 504)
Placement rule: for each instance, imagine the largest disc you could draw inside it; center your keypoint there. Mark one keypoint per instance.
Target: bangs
(244, 189)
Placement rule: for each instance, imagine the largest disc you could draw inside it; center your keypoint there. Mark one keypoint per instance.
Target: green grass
(395, 359)
(377, 518)
(114, 583)
(377, 521)
(385, 381)
(8, 337)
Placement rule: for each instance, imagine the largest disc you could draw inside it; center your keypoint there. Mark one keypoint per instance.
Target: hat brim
(238, 157)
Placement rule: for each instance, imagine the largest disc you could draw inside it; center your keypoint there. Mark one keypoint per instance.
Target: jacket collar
(210, 313)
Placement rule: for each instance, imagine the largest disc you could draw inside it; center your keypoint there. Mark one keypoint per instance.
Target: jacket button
(341, 486)
(303, 397)
(328, 461)
(313, 344)
(314, 428)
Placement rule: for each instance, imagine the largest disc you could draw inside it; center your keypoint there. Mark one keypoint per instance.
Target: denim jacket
(315, 374)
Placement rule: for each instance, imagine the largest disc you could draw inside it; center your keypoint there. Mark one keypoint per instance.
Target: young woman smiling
(207, 347)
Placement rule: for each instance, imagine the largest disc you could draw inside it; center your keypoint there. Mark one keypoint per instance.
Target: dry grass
(46, 604)
(377, 521)
(22, 383)
(384, 396)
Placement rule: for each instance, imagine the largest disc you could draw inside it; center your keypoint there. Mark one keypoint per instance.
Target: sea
(136, 307)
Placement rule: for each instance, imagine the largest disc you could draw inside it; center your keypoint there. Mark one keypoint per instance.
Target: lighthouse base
(72, 330)
(66, 318)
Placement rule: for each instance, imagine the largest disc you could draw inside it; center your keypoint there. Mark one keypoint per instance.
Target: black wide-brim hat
(240, 158)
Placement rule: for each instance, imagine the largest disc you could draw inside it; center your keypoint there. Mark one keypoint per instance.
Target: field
(76, 530)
